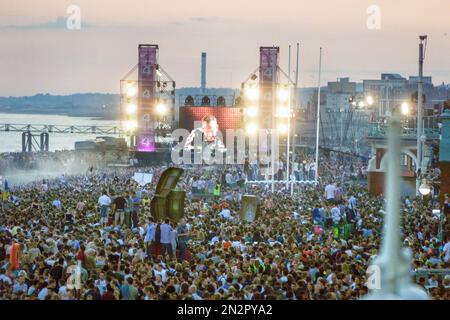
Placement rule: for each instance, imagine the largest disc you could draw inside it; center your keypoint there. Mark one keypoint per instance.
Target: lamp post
(295, 120)
(423, 40)
(288, 158)
(289, 122)
(424, 188)
(273, 133)
(316, 173)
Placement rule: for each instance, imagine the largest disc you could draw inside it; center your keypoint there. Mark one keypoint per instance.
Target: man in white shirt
(160, 271)
(446, 252)
(335, 215)
(225, 213)
(44, 186)
(352, 203)
(229, 179)
(4, 277)
(329, 192)
(43, 293)
(104, 201)
(101, 283)
(57, 204)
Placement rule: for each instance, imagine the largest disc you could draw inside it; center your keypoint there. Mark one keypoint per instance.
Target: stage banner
(268, 76)
(147, 82)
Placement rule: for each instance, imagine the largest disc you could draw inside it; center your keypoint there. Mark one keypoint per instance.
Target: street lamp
(405, 108)
(424, 188)
(369, 100)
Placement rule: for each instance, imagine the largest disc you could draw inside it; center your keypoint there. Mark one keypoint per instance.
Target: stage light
(283, 94)
(131, 108)
(206, 101)
(252, 128)
(252, 111)
(252, 93)
(161, 109)
(361, 104)
(158, 72)
(131, 125)
(131, 91)
(221, 101)
(189, 101)
(369, 100)
(405, 108)
(282, 128)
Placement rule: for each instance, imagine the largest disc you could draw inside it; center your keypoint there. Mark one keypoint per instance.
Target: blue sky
(39, 54)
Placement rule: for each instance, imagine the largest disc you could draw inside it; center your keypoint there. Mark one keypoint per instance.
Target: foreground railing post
(390, 278)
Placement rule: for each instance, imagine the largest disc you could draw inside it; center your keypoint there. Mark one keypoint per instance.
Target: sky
(39, 54)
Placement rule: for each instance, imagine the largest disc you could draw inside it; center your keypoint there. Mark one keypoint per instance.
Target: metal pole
(316, 174)
(419, 114)
(272, 136)
(295, 119)
(288, 121)
(388, 108)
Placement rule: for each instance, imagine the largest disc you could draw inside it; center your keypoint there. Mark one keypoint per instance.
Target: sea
(12, 141)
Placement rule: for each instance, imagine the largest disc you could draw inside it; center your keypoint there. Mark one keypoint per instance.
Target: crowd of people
(92, 236)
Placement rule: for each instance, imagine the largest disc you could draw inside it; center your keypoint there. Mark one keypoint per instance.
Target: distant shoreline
(77, 115)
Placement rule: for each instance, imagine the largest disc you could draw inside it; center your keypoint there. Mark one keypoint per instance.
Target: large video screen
(227, 117)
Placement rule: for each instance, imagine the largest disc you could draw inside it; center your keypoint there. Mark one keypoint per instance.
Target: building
(393, 89)
(339, 94)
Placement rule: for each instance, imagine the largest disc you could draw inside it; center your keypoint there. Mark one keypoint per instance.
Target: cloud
(59, 23)
(205, 19)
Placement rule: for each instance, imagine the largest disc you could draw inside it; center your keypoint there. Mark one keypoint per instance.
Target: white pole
(388, 107)
(316, 175)
(272, 136)
(288, 176)
(295, 119)
(419, 114)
